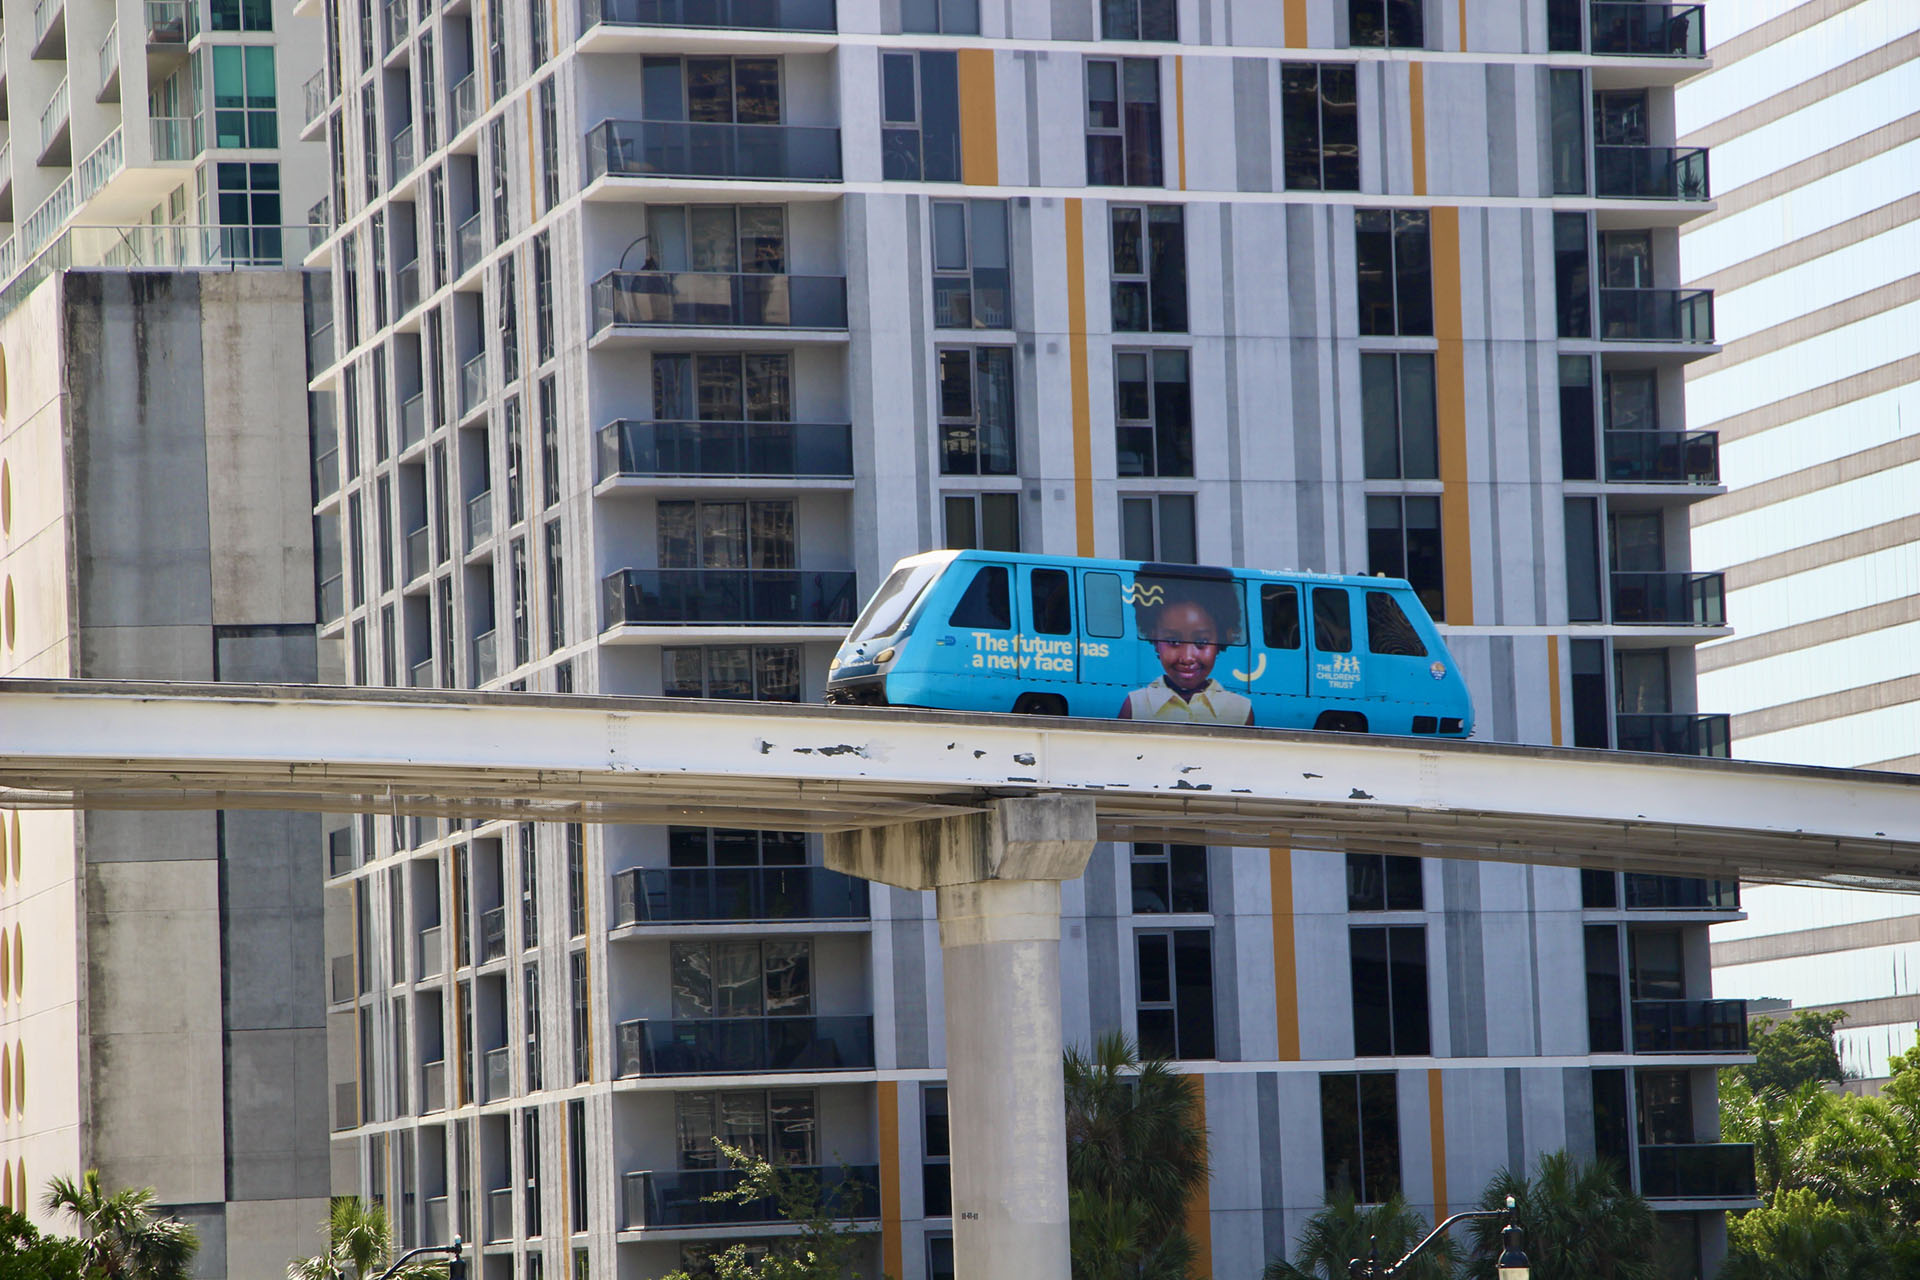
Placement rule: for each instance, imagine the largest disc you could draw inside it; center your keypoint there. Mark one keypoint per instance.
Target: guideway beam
(996, 878)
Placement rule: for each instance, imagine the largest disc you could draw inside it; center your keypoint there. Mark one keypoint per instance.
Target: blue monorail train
(1051, 635)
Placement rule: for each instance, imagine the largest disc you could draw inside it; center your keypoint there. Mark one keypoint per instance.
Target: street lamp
(457, 1265)
(1511, 1266)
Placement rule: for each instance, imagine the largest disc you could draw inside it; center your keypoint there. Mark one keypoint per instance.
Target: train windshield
(896, 597)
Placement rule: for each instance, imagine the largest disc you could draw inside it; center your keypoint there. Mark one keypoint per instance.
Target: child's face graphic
(1188, 644)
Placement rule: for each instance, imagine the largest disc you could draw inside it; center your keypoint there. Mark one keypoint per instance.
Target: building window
(1360, 1135)
(497, 168)
(734, 847)
(940, 1258)
(1319, 107)
(1581, 518)
(920, 117)
(537, 48)
(244, 96)
(1384, 882)
(518, 594)
(976, 411)
(242, 15)
(549, 141)
(542, 298)
(1396, 24)
(1139, 20)
(940, 17)
(936, 1167)
(1174, 982)
(766, 979)
(1123, 122)
(531, 1020)
(370, 140)
(1403, 541)
(1153, 413)
(755, 673)
(779, 1125)
(1393, 250)
(576, 880)
(529, 890)
(1397, 416)
(725, 535)
(577, 1178)
(1606, 1009)
(496, 27)
(1158, 527)
(712, 90)
(556, 589)
(248, 196)
(1149, 268)
(982, 521)
(1169, 877)
(972, 279)
(582, 1024)
(549, 410)
(1390, 1014)
(1572, 275)
(723, 387)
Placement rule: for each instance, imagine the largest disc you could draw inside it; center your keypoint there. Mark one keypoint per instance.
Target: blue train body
(993, 631)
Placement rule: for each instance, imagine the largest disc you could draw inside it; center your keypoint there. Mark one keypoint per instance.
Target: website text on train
(1048, 635)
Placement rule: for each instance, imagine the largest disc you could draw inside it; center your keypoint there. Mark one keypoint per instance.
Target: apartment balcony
(1650, 173)
(317, 99)
(1679, 893)
(470, 245)
(718, 300)
(419, 553)
(420, 675)
(486, 659)
(406, 290)
(499, 1077)
(320, 356)
(436, 1223)
(1662, 457)
(1673, 734)
(733, 450)
(1656, 315)
(473, 391)
(1635, 29)
(340, 986)
(696, 149)
(493, 934)
(732, 895)
(431, 959)
(1670, 599)
(683, 1198)
(109, 90)
(1689, 1026)
(320, 219)
(1697, 1171)
(433, 1089)
(403, 155)
(49, 29)
(331, 606)
(479, 519)
(813, 16)
(731, 597)
(463, 104)
(56, 146)
(170, 25)
(346, 1105)
(174, 137)
(744, 1046)
(413, 420)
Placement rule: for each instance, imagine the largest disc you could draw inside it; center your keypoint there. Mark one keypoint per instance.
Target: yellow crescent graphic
(1259, 669)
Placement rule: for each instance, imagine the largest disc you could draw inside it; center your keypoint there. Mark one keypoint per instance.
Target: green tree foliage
(1803, 1237)
(25, 1254)
(120, 1235)
(1793, 1052)
(1344, 1231)
(1136, 1154)
(1580, 1224)
(359, 1246)
(827, 1248)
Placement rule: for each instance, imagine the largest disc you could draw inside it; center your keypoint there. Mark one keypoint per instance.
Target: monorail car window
(1332, 620)
(1280, 615)
(1389, 630)
(987, 602)
(1104, 613)
(1052, 592)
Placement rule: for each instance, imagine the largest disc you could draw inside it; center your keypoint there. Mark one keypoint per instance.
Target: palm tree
(359, 1243)
(1136, 1154)
(1580, 1224)
(1344, 1231)
(122, 1237)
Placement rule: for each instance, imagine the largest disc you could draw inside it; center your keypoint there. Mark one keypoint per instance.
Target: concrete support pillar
(996, 877)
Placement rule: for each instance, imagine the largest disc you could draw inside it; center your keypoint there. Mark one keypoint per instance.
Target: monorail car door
(1277, 680)
(1047, 639)
(1336, 670)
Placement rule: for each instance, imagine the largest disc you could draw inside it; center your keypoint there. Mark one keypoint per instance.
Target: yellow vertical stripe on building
(891, 1253)
(1199, 1221)
(1296, 24)
(979, 120)
(533, 175)
(1286, 991)
(1180, 113)
(1553, 686)
(1437, 1134)
(1463, 26)
(1077, 376)
(1417, 124)
(1450, 379)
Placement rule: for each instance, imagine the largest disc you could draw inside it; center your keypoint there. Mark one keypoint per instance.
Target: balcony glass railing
(479, 518)
(1680, 893)
(419, 553)
(742, 1046)
(397, 23)
(1697, 1171)
(1662, 457)
(1670, 599)
(413, 420)
(169, 22)
(499, 1215)
(326, 471)
(717, 299)
(473, 384)
(402, 154)
(1673, 734)
(745, 15)
(320, 355)
(683, 1198)
(698, 149)
(1689, 1026)
(53, 121)
(1656, 315)
(1650, 173)
(320, 219)
(499, 1065)
(680, 895)
(110, 57)
(420, 675)
(331, 606)
(45, 14)
(406, 287)
(340, 979)
(463, 103)
(486, 664)
(789, 450)
(745, 597)
(317, 97)
(433, 1089)
(436, 1223)
(175, 137)
(493, 934)
(470, 244)
(1637, 29)
(432, 959)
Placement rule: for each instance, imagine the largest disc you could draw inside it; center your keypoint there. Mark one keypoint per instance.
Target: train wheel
(1341, 722)
(1040, 704)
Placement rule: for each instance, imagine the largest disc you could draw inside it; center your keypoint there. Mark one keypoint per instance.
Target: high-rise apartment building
(662, 329)
(1811, 252)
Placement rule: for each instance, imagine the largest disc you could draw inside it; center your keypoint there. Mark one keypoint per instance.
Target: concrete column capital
(1039, 837)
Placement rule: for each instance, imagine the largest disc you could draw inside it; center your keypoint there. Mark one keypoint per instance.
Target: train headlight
(884, 656)
(834, 665)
